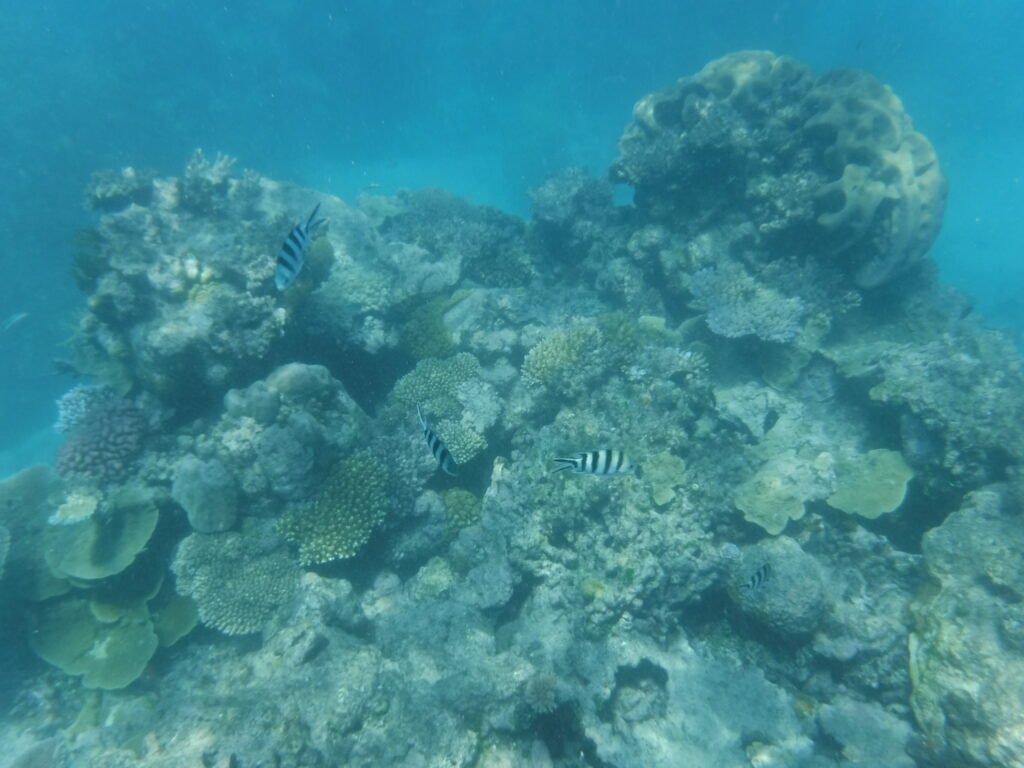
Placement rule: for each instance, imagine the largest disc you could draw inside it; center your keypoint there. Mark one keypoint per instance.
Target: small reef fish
(12, 321)
(761, 575)
(604, 462)
(437, 447)
(293, 251)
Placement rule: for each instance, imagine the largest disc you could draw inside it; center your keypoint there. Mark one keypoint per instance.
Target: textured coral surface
(813, 561)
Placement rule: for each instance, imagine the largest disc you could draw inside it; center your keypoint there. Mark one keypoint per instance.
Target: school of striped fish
(290, 260)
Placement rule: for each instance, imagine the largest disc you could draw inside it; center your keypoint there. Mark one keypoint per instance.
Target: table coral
(351, 504)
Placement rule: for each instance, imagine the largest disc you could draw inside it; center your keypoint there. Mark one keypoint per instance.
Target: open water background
(483, 98)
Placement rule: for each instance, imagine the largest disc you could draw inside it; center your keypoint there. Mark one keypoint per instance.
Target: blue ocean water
(485, 99)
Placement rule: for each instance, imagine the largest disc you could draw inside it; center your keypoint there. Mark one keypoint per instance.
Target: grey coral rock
(792, 600)
(206, 491)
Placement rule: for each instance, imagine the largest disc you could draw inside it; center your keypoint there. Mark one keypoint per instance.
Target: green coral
(560, 357)
(871, 484)
(433, 384)
(236, 584)
(106, 654)
(777, 491)
(107, 542)
(351, 504)
(462, 508)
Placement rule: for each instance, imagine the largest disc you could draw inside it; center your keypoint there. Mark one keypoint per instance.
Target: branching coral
(236, 582)
(434, 384)
(561, 357)
(352, 503)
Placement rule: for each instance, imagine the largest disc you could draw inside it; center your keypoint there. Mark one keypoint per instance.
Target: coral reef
(760, 331)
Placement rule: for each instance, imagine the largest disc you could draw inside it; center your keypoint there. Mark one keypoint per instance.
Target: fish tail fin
(566, 464)
(419, 414)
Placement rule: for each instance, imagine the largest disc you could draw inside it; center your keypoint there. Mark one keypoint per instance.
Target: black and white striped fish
(604, 462)
(437, 447)
(293, 251)
(761, 575)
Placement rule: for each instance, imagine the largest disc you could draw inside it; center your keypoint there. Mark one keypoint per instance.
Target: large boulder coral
(828, 165)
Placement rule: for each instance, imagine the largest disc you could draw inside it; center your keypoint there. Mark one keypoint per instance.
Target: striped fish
(761, 575)
(293, 251)
(604, 462)
(437, 447)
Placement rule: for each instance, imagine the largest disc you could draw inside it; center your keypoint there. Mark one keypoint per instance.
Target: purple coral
(103, 443)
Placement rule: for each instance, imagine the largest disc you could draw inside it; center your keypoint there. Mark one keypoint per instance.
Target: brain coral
(834, 161)
(236, 582)
(351, 504)
(103, 443)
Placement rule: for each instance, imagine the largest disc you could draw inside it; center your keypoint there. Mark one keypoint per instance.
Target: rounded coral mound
(830, 164)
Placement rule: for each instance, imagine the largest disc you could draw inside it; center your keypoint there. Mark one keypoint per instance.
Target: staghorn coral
(237, 579)
(351, 504)
(104, 443)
